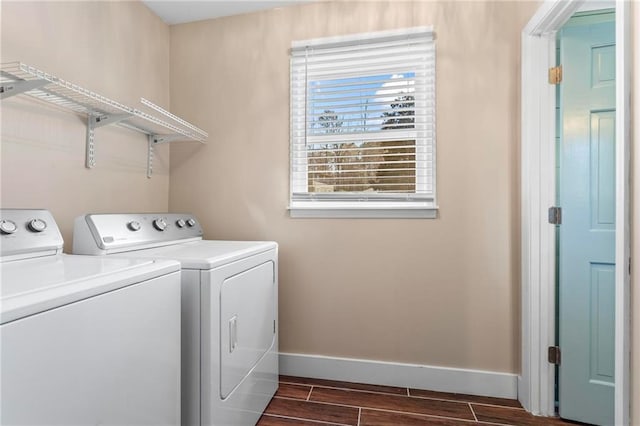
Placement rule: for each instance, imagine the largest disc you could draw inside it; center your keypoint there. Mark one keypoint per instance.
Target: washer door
(247, 323)
(112, 359)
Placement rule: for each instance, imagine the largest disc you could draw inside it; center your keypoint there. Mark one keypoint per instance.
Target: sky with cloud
(359, 103)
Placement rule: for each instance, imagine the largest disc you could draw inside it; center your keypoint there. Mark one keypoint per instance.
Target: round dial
(191, 222)
(160, 224)
(8, 227)
(180, 223)
(37, 225)
(134, 225)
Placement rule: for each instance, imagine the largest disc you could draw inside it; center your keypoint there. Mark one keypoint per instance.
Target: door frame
(538, 193)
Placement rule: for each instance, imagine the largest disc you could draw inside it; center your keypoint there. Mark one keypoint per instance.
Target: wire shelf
(71, 96)
(19, 78)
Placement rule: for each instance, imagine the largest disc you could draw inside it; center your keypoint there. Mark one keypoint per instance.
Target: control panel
(112, 232)
(28, 233)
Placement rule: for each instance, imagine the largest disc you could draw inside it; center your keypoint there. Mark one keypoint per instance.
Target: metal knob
(8, 227)
(191, 222)
(134, 225)
(37, 225)
(180, 223)
(160, 224)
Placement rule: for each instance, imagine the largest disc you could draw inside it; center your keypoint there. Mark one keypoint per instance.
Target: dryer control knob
(160, 224)
(37, 225)
(134, 225)
(180, 223)
(191, 222)
(8, 227)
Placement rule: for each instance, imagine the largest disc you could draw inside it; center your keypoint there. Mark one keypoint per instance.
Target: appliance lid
(33, 285)
(205, 254)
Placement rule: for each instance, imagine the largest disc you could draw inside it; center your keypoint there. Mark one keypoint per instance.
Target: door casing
(538, 192)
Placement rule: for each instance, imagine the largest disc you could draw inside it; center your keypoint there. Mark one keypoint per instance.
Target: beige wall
(442, 292)
(439, 292)
(117, 49)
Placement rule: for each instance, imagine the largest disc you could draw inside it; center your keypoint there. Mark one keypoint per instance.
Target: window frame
(397, 205)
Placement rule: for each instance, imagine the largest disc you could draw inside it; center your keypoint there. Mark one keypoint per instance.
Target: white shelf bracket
(159, 139)
(93, 122)
(153, 140)
(15, 88)
(90, 152)
(150, 144)
(106, 119)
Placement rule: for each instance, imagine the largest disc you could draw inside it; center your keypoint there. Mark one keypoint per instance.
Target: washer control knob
(37, 225)
(180, 223)
(160, 224)
(134, 225)
(191, 222)
(8, 227)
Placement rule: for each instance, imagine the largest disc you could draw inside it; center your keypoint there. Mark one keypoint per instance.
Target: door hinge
(554, 355)
(274, 326)
(555, 75)
(555, 215)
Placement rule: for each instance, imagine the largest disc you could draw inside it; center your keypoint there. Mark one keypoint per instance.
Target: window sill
(357, 210)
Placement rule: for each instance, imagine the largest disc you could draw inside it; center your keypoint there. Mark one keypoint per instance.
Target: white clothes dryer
(84, 340)
(229, 309)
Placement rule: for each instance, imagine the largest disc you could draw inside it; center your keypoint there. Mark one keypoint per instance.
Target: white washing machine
(84, 340)
(229, 309)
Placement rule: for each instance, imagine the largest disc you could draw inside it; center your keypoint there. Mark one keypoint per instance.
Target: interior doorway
(536, 390)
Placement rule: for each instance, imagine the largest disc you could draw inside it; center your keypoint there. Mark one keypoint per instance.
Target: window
(363, 125)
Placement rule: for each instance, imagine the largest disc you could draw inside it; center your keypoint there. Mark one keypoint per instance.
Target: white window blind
(363, 121)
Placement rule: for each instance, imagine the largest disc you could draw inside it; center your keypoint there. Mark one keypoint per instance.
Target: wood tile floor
(315, 402)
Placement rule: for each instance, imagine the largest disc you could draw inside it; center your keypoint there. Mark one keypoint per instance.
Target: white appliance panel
(250, 396)
(190, 347)
(114, 233)
(111, 359)
(247, 323)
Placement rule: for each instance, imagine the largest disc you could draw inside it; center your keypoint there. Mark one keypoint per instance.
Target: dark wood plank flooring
(316, 402)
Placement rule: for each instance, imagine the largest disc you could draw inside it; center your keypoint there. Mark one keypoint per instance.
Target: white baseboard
(523, 395)
(442, 379)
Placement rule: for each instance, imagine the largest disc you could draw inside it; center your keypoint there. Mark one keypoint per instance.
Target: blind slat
(353, 106)
(361, 148)
(368, 114)
(360, 163)
(360, 82)
(383, 135)
(382, 100)
(362, 129)
(388, 197)
(417, 57)
(337, 73)
(334, 157)
(361, 41)
(410, 86)
(372, 121)
(344, 178)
